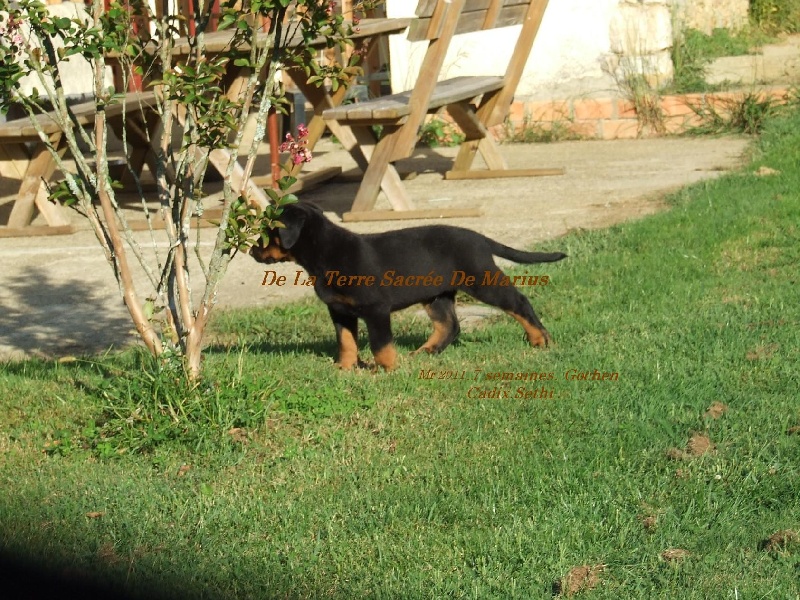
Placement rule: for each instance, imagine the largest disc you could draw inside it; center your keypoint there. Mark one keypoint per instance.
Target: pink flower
(298, 149)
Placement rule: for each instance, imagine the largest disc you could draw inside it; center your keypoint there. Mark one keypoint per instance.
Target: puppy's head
(281, 240)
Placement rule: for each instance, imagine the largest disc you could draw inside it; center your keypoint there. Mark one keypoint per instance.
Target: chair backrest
(438, 21)
(476, 15)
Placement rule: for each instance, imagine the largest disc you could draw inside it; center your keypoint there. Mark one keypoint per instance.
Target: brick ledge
(615, 118)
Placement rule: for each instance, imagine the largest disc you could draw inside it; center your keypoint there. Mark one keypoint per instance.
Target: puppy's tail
(520, 256)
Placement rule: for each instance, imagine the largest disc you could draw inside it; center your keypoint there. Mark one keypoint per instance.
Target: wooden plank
(467, 121)
(14, 160)
(478, 16)
(425, 8)
(494, 112)
(493, 174)
(36, 230)
(510, 16)
(389, 108)
(441, 13)
(360, 143)
(392, 109)
(156, 222)
(458, 89)
(475, 133)
(380, 174)
(393, 215)
(220, 41)
(307, 181)
(40, 168)
(491, 155)
(481, 141)
(220, 159)
(491, 13)
(451, 92)
(23, 130)
(440, 24)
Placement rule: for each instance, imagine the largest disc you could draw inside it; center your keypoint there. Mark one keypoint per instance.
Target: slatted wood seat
(34, 166)
(397, 107)
(475, 103)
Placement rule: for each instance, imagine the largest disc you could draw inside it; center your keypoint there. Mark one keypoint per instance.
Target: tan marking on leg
(386, 357)
(536, 337)
(440, 331)
(348, 350)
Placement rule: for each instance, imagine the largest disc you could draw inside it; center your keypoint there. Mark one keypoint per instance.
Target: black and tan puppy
(371, 276)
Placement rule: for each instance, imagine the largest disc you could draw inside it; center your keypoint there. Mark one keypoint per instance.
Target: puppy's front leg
(346, 338)
(381, 341)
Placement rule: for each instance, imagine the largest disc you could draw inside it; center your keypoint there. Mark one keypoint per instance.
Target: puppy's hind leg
(442, 311)
(519, 307)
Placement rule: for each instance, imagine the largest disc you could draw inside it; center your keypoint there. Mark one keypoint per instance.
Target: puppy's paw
(538, 338)
(352, 365)
(386, 358)
(422, 349)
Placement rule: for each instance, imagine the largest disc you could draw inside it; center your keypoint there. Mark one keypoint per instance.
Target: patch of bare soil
(649, 522)
(716, 410)
(780, 541)
(674, 555)
(762, 352)
(578, 579)
(698, 445)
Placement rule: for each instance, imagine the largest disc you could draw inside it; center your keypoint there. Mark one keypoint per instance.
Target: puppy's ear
(293, 221)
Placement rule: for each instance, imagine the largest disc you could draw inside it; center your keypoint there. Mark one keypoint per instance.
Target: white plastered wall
(568, 56)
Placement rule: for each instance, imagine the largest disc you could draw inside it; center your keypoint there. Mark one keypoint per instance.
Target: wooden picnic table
(25, 156)
(219, 41)
(36, 165)
(319, 96)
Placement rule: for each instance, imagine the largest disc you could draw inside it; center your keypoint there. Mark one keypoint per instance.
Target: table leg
(33, 193)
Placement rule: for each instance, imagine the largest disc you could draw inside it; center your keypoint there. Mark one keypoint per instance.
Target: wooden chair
(475, 103)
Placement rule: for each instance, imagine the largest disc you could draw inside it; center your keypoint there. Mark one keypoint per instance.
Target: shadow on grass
(52, 577)
(405, 343)
(24, 578)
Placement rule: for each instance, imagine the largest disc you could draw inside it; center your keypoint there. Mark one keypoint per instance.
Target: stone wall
(707, 15)
(641, 37)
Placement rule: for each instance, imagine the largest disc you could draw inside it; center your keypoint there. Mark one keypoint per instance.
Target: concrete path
(58, 295)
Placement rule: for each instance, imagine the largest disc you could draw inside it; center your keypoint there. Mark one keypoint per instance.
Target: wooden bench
(25, 156)
(475, 104)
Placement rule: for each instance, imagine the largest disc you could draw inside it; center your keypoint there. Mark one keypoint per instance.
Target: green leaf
(274, 196)
(149, 309)
(286, 182)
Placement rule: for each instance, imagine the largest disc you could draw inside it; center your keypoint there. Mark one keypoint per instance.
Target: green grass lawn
(281, 477)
